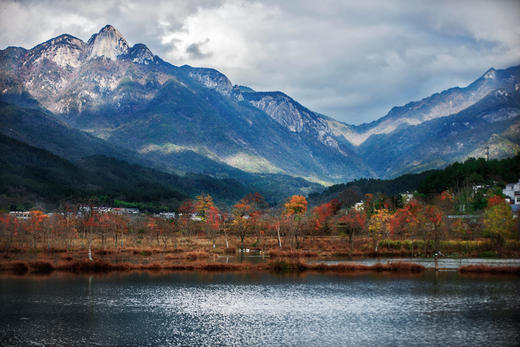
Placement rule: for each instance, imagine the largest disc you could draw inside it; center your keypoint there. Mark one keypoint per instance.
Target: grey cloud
(195, 52)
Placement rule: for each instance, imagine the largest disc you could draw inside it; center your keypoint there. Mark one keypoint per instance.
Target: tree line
(252, 223)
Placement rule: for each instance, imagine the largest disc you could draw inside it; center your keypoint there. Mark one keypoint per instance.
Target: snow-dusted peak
(140, 54)
(211, 78)
(491, 74)
(67, 39)
(65, 50)
(108, 43)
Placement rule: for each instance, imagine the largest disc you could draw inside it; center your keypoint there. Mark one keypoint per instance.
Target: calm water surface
(260, 309)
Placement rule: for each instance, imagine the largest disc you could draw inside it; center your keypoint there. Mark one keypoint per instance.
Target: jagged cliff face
(130, 97)
(108, 43)
(294, 117)
(211, 79)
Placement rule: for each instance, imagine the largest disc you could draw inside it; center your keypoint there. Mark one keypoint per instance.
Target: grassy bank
(203, 247)
(486, 269)
(99, 266)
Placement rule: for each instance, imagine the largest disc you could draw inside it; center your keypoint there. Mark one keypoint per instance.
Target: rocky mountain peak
(210, 78)
(108, 43)
(64, 50)
(140, 54)
(66, 39)
(490, 74)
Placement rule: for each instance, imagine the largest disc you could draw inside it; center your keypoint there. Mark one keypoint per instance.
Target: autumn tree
(405, 221)
(369, 204)
(9, 228)
(35, 227)
(295, 209)
(61, 228)
(378, 226)
(186, 210)
(274, 224)
(151, 225)
(296, 206)
(322, 213)
(89, 223)
(203, 205)
(225, 226)
(246, 215)
(352, 223)
(445, 201)
(258, 223)
(212, 223)
(242, 214)
(119, 224)
(498, 220)
(461, 229)
(431, 222)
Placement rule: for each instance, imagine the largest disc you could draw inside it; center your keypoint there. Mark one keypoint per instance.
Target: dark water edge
(203, 309)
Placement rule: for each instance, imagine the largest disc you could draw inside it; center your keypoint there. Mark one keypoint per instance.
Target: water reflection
(260, 309)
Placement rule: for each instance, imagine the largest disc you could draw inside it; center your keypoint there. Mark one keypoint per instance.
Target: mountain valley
(104, 97)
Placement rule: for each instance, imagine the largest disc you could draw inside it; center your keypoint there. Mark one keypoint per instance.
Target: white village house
(512, 191)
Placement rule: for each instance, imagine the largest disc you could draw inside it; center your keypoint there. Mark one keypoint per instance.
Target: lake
(206, 309)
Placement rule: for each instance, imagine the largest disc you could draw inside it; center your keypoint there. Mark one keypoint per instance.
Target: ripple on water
(230, 309)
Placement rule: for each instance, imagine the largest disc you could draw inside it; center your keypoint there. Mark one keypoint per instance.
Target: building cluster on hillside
(165, 215)
(82, 211)
(85, 210)
(25, 215)
(103, 209)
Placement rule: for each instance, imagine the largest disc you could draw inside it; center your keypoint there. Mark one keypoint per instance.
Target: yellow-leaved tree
(498, 220)
(295, 209)
(379, 226)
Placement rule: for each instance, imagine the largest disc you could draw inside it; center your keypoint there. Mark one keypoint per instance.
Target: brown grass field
(196, 253)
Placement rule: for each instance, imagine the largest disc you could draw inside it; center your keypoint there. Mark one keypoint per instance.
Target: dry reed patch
(16, 267)
(490, 269)
(292, 254)
(196, 255)
(41, 267)
(85, 266)
(299, 266)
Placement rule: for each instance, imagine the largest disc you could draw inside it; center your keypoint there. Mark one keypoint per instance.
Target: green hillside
(454, 177)
(31, 176)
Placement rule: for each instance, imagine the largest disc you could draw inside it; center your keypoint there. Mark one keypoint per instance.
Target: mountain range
(103, 96)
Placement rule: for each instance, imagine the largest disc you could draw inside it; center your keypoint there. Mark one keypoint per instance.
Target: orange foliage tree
(213, 223)
(35, 226)
(246, 215)
(203, 205)
(296, 206)
(207, 212)
(433, 218)
(352, 223)
(295, 209)
(405, 221)
(322, 213)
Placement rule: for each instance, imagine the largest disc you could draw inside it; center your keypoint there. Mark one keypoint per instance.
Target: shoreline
(280, 266)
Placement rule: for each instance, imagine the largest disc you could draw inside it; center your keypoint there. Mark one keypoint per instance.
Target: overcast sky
(352, 60)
